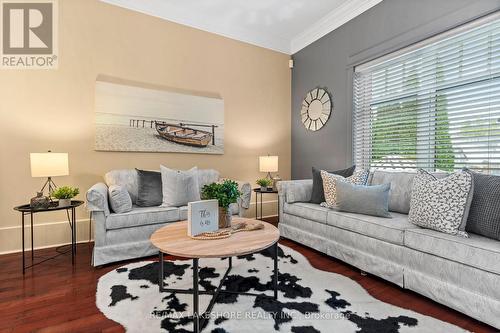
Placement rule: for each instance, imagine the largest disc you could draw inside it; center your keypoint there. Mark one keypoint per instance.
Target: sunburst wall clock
(316, 109)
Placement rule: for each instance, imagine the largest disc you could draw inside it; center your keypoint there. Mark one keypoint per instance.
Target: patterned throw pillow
(359, 177)
(441, 204)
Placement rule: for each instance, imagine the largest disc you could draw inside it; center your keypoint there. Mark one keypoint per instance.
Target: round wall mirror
(316, 109)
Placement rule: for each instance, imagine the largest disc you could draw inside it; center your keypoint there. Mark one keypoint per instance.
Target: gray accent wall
(329, 62)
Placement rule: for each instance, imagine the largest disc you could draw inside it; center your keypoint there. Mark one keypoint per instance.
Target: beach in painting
(125, 119)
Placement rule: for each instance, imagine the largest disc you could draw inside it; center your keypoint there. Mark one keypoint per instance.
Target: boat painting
(137, 117)
(185, 135)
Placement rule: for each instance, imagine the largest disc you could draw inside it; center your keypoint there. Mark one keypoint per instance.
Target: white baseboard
(47, 234)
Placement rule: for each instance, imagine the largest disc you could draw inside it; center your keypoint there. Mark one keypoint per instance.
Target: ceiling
(283, 25)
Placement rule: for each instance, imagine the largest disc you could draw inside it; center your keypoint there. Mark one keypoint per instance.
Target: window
(434, 105)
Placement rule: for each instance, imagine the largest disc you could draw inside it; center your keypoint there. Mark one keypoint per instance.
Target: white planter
(64, 202)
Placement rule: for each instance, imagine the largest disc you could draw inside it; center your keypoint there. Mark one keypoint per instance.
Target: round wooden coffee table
(173, 239)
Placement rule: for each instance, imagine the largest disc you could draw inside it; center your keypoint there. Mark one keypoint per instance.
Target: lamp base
(269, 175)
(51, 186)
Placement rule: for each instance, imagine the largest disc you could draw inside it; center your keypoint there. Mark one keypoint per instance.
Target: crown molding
(334, 19)
(272, 42)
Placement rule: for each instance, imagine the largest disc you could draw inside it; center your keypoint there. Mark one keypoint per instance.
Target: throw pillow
(149, 192)
(484, 214)
(119, 199)
(318, 194)
(179, 187)
(441, 204)
(359, 177)
(361, 199)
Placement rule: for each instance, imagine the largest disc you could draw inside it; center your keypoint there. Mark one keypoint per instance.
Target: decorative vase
(40, 201)
(64, 202)
(224, 218)
(263, 188)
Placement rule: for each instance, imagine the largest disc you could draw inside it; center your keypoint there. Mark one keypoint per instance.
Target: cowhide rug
(309, 301)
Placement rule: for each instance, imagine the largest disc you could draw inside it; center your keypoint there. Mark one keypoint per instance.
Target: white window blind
(435, 105)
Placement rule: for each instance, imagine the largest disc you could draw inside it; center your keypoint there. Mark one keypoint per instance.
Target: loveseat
(122, 236)
(462, 273)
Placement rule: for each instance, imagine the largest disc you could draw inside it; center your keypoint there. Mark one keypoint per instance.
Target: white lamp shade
(49, 164)
(268, 163)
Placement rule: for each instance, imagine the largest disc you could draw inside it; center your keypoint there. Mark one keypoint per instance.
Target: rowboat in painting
(184, 135)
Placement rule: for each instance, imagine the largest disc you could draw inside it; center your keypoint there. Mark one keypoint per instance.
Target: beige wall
(54, 109)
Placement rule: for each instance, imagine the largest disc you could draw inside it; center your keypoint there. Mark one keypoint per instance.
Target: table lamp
(268, 164)
(49, 165)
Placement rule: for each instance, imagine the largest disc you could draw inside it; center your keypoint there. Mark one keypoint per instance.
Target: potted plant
(64, 194)
(226, 193)
(265, 184)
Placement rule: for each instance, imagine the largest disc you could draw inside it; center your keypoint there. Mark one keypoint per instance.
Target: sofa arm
(246, 194)
(291, 191)
(97, 199)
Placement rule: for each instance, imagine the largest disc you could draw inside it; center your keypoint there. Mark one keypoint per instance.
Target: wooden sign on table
(203, 216)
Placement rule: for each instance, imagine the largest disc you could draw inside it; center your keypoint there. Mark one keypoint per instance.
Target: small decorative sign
(203, 216)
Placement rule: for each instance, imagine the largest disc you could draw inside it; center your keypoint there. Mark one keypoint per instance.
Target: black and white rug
(310, 300)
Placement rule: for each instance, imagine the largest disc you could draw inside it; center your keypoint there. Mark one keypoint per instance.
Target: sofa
(461, 273)
(122, 236)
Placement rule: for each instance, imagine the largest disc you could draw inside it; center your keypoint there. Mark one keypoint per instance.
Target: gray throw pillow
(318, 193)
(484, 214)
(441, 204)
(149, 192)
(361, 199)
(179, 187)
(119, 199)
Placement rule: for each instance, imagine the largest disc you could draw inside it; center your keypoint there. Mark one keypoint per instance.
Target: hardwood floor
(58, 297)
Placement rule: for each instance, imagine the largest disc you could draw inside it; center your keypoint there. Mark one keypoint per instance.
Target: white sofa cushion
(307, 210)
(140, 216)
(476, 251)
(389, 230)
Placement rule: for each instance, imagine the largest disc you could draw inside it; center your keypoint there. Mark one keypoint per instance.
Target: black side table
(70, 212)
(257, 192)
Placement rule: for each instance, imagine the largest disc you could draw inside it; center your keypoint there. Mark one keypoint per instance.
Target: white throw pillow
(441, 204)
(359, 177)
(179, 187)
(119, 199)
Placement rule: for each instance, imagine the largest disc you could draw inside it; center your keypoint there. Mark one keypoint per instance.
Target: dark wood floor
(58, 297)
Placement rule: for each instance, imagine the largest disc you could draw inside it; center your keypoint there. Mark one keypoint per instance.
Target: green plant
(65, 192)
(264, 182)
(226, 192)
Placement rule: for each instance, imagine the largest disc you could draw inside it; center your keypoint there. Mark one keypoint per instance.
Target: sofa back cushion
(484, 214)
(401, 186)
(207, 176)
(126, 178)
(129, 179)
